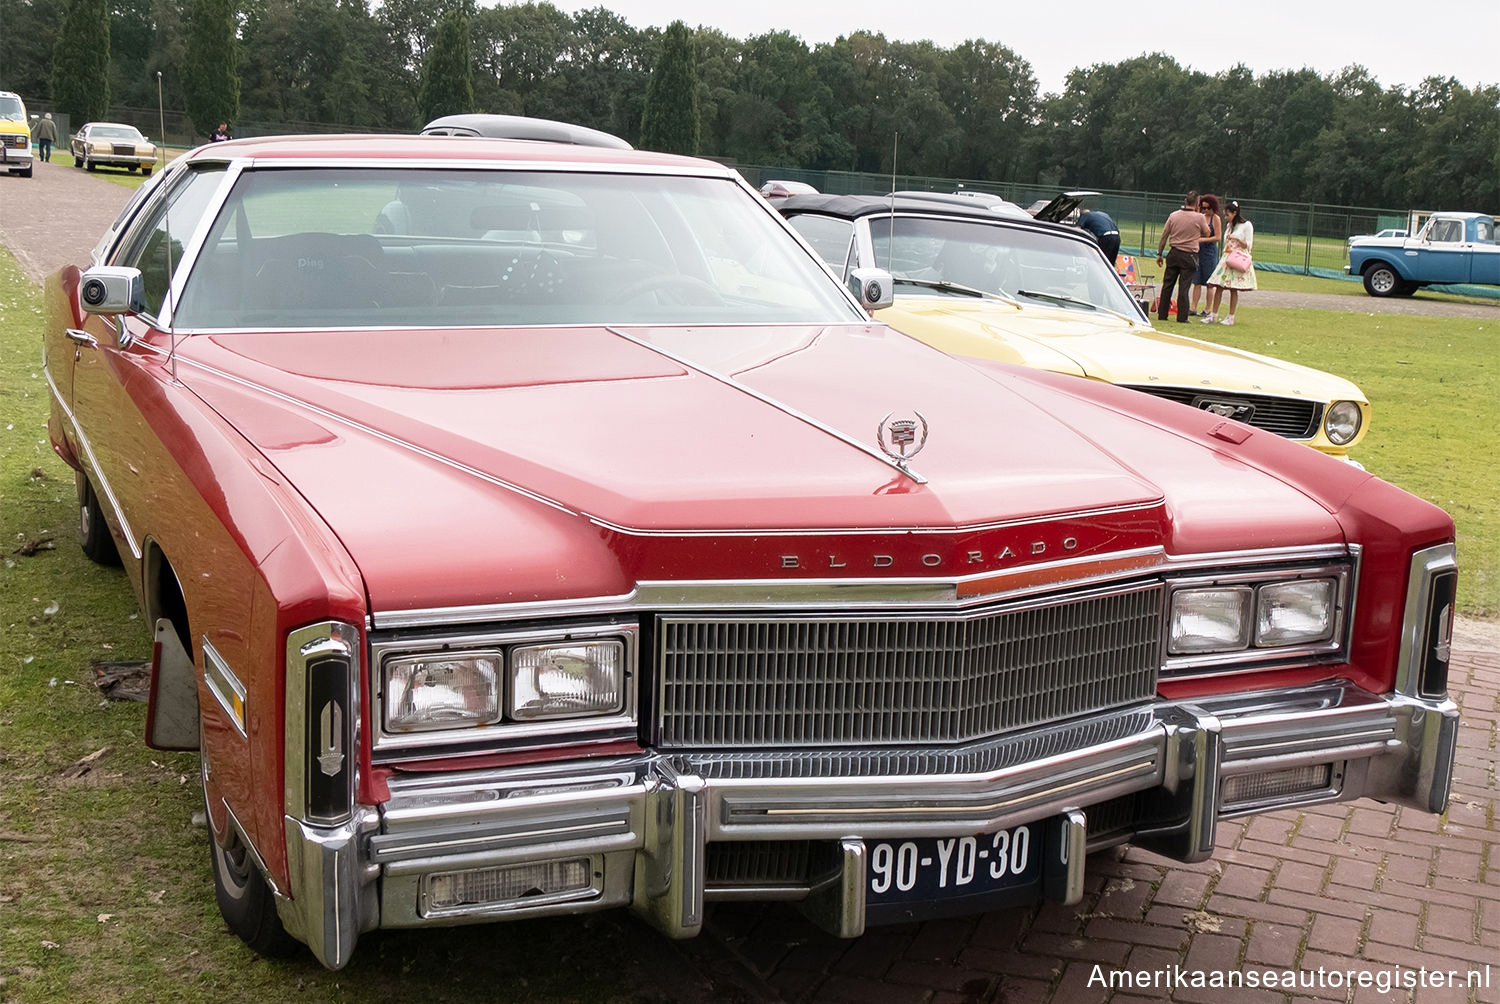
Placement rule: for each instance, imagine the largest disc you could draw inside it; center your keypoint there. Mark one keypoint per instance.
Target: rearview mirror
(872, 287)
(112, 289)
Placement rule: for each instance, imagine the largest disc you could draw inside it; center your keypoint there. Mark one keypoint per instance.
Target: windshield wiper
(1059, 298)
(954, 287)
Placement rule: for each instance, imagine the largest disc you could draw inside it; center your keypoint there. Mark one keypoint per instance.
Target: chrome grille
(807, 680)
(124, 149)
(17, 139)
(1287, 417)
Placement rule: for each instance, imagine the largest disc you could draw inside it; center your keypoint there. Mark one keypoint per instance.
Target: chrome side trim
(1424, 566)
(875, 593)
(98, 479)
(767, 399)
(224, 685)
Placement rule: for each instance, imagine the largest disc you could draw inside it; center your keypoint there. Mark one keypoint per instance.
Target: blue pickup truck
(1450, 248)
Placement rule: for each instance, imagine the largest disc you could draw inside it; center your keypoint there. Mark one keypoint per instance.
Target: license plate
(936, 868)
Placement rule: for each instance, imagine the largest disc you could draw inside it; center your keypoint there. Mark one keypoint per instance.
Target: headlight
(567, 679)
(1265, 615)
(1210, 620)
(1342, 421)
(1294, 613)
(437, 692)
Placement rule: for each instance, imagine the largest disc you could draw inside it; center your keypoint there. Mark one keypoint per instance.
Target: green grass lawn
(1434, 390)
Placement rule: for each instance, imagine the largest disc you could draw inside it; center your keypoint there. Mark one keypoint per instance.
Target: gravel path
(55, 217)
(1422, 303)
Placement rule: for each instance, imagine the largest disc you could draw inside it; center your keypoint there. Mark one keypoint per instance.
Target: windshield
(11, 108)
(422, 247)
(115, 132)
(950, 257)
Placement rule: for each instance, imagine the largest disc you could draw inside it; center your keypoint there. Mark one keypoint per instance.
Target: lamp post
(162, 117)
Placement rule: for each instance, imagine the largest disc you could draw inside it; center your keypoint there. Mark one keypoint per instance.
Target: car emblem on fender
(902, 439)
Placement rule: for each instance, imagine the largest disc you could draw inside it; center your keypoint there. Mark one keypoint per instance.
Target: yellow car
(15, 135)
(112, 144)
(993, 283)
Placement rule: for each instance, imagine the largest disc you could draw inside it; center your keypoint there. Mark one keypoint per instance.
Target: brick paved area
(1357, 886)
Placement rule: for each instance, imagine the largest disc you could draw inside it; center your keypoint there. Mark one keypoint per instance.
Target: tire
(89, 165)
(245, 901)
(1381, 280)
(93, 531)
(26, 173)
(145, 172)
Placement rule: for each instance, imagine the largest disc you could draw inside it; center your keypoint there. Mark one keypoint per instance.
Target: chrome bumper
(645, 822)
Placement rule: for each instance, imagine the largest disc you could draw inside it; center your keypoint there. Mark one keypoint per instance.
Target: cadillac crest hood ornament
(902, 439)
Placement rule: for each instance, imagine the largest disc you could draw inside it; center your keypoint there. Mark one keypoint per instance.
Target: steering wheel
(684, 289)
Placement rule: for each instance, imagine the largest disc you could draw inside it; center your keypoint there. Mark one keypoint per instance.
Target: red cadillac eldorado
(532, 528)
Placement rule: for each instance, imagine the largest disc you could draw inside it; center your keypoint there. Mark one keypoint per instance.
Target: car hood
(579, 461)
(1103, 347)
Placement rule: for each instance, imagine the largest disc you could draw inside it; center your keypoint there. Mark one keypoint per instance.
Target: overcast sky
(1401, 42)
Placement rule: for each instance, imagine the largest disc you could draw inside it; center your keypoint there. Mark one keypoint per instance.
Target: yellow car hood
(1102, 346)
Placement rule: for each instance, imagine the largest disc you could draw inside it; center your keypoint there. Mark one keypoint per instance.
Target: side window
(829, 237)
(159, 236)
(1485, 232)
(1448, 231)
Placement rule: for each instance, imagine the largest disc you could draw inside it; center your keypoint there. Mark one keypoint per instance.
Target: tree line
(970, 111)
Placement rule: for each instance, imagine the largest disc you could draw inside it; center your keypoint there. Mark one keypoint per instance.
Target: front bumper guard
(645, 822)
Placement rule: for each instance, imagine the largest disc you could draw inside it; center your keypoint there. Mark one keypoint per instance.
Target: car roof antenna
(890, 246)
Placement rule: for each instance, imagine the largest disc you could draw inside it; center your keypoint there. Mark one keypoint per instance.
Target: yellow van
(15, 135)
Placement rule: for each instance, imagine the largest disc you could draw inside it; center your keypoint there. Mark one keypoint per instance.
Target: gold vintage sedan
(112, 144)
(993, 283)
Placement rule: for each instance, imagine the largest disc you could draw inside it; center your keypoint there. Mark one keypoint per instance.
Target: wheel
(26, 173)
(1381, 280)
(145, 172)
(132, 168)
(93, 532)
(683, 289)
(89, 165)
(244, 899)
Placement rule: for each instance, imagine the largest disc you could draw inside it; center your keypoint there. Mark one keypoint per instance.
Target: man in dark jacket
(45, 135)
(1104, 232)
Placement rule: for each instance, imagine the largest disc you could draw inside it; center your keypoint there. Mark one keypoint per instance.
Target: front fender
(1397, 265)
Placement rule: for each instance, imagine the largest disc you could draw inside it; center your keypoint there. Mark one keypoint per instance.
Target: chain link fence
(1298, 237)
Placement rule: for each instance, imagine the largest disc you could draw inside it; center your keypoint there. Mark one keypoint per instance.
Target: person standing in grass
(1208, 249)
(46, 134)
(1236, 270)
(1182, 232)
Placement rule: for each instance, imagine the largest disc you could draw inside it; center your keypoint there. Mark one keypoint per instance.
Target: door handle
(82, 338)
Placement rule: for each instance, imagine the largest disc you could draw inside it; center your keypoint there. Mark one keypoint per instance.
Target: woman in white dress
(1239, 236)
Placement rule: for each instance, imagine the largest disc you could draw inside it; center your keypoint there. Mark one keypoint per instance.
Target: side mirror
(112, 289)
(872, 287)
